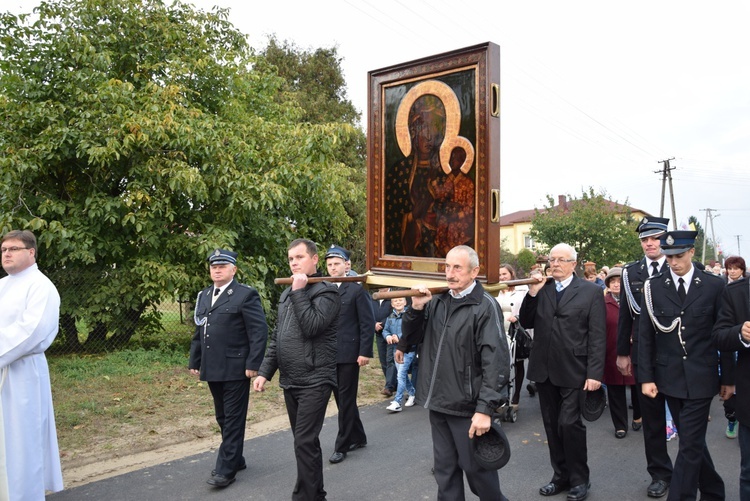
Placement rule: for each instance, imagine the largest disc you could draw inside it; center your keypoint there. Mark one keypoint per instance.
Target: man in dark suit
(732, 333)
(381, 309)
(226, 351)
(353, 350)
(568, 318)
(634, 275)
(677, 357)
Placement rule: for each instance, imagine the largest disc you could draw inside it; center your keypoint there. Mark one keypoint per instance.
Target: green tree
(314, 80)
(601, 231)
(137, 137)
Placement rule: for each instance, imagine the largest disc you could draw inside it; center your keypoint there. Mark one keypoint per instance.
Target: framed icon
(434, 163)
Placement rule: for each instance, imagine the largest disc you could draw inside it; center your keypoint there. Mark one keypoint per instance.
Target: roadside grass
(143, 398)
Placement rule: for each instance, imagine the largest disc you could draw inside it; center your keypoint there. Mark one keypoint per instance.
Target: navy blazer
(734, 311)
(689, 371)
(570, 337)
(233, 339)
(356, 324)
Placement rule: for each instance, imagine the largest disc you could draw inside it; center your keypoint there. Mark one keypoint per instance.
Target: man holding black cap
(653, 414)
(226, 351)
(354, 339)
(569, 321)
(677, 357)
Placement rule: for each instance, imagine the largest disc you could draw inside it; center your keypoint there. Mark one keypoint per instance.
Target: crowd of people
(661, 334)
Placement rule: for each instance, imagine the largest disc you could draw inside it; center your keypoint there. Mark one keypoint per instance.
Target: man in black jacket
(732, 333)
(465, 361)
(303, 349)
(569, 321)
(634, 275)
(226, 351)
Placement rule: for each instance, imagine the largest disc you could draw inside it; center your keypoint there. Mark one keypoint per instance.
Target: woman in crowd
(510, 302)
(735, 268)
(613, 379)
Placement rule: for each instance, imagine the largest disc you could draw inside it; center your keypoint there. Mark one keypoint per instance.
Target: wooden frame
(434, 163)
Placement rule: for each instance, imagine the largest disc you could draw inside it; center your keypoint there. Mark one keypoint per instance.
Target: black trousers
(566, 434)
(654, 414)
(618, 404)
(231, 399)
(453, 457)
(306, 408)
(693, 466)
(351, 429)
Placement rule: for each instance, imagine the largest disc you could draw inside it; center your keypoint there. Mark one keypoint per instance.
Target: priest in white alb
(29, 320)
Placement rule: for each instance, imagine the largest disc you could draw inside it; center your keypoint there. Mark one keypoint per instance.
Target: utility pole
(667, 175)
(713, 235)
(739, 251)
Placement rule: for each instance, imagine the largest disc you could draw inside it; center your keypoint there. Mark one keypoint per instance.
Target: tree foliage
(601, 231)
(314, 80)
(138, 137)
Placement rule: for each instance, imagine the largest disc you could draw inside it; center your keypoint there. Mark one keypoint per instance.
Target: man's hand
(378, 326)
(362, 361)
(249, 373)
(649, 389)
(624, 365)
(592, 385)
(259, 383)
(745, 332)
(418, 302)
(536, 287)
(480, 424)
(195, 372)
(299, 281)
(398, 357)
(726, 391)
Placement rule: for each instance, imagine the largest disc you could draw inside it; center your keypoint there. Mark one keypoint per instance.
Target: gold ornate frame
(421, 203)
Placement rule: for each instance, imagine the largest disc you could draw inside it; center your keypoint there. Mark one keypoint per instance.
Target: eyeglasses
(12, 250)
(560, 260)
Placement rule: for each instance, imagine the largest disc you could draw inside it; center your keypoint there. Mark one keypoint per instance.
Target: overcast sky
(593, 93)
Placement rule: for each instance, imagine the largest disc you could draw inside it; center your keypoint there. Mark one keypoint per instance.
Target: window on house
(528, 242)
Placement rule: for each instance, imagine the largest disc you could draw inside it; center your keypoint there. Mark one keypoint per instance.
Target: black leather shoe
(552, 488)
(620, 433)
(337, 457)
(220, 481)
(579, 492)
(657, 489)
(354, 447)
(242, 467)
(637, 425)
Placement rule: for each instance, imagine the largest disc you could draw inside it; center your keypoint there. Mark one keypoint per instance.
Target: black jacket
(570, 336)
(689, 370)
(234, 336)
(735, 311)
(355, 325)
(303, 344)
(464, 358)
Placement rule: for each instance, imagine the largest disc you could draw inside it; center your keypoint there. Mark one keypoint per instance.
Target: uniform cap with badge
(677, 242)
(652, 226)
(222, 256)
(336, 251)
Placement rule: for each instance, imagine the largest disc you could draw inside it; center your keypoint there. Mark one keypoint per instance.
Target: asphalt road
(396, 464)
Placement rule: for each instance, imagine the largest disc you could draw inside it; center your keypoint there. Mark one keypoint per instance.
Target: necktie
(216, 294)
(681, 290)
(558, 286)
(654, 268)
